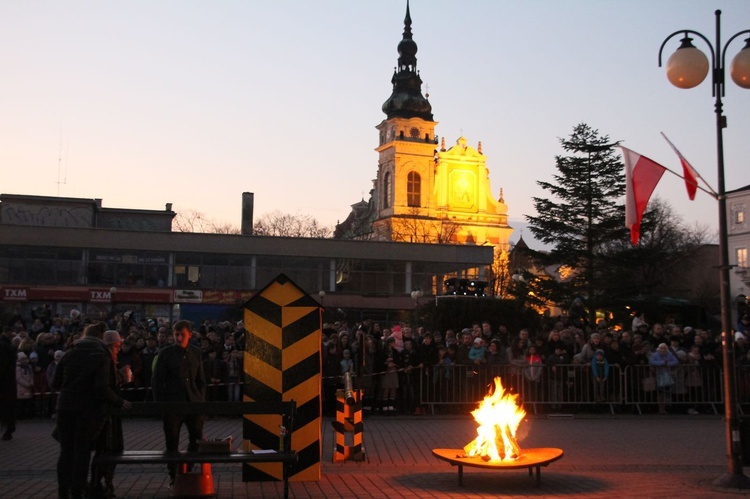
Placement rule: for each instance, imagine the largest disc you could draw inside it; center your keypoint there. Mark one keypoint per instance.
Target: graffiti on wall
(48, 216)
(129, 223)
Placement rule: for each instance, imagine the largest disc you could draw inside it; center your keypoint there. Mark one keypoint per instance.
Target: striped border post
(348, 424)
(282, 363)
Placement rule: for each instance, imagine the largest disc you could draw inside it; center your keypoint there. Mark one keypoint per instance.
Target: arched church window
(387, 190)
(413, 189)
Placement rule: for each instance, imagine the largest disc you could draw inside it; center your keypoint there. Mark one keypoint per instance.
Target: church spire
(407, 100)
(407, 49)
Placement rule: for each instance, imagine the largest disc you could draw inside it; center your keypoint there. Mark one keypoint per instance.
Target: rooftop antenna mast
(59, 164)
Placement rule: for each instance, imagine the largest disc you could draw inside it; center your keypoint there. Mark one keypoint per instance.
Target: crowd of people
(392, 364)
(33, 353)
(389, 363)
(69, 368)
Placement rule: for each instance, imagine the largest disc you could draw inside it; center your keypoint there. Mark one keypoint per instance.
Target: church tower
(406, 149)
(423, 193)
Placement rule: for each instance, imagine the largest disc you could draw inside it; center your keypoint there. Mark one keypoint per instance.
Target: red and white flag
(641, 176)
(688, 172)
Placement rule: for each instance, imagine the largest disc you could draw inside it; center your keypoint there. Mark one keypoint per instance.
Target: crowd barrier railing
(743, 388)
(576, 386)
(43, 401)
(536, 385)
(552, 389)
(695, 387)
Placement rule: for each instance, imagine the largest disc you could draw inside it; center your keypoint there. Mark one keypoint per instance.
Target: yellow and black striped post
(282, 362)
(348, 426)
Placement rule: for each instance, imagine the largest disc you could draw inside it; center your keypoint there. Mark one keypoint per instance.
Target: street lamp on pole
(322, 295)
(687, 68)
(416, 295)
(112, 293)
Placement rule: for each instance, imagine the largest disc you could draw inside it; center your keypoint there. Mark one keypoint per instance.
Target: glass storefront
(104, 271)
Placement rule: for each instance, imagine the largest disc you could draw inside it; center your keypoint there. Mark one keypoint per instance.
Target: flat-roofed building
(72, 253)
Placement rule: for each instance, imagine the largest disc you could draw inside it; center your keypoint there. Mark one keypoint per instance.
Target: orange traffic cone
(194, 484)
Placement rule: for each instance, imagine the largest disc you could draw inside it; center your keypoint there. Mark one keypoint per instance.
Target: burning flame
(498, 416)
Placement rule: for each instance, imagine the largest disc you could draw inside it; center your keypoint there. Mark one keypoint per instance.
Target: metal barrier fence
(540, 387)
(743, 387)
(43, 403)
(568, 386)
(695, 388)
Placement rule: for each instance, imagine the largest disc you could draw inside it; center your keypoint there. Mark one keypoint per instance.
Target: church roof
(359, 222)
(521, 244)
(407, 100)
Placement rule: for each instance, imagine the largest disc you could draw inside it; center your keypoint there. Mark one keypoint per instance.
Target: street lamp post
(322, 295)
(416, 295)
(687, 68)
(112, 293)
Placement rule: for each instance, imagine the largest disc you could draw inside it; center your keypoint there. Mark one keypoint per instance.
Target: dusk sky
(144, 103)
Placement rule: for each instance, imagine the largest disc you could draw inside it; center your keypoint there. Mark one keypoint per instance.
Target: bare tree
(660, 261)
(281, 224)
(501, 273)
(190, 221)
(195, 221)
(275, 223)
(224, 228)
(417, 228)
(446, 230)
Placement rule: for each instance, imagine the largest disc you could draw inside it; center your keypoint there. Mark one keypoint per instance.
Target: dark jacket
(216, 369)
(178, 375)
(428, 354)
(83, 376)
(383, 357)
(7, 370)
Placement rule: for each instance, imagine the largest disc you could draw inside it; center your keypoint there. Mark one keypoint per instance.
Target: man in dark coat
(110, 437)
(82, 377)
(7, 384)
(178, 377)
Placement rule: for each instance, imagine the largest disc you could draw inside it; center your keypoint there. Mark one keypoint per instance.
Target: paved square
(605, 456)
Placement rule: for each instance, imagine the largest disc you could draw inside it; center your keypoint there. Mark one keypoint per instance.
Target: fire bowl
(529, 458)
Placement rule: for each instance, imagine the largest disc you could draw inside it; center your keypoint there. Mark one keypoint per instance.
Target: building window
(413, 189)
(387, 190)
(128, 268)
(741, 257)
(739, 217)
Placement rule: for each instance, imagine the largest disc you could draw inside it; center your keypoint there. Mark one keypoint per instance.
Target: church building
(425, 192)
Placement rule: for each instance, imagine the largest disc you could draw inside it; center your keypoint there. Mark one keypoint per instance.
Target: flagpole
(687, 68)
(713, 192)
(710, 193)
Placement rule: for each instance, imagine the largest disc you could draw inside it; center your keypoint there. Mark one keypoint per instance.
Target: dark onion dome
(407, 100)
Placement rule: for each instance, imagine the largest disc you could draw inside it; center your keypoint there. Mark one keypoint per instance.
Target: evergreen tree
(582, 216)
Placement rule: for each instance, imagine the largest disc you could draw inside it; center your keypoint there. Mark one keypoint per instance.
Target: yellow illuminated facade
(439, 196)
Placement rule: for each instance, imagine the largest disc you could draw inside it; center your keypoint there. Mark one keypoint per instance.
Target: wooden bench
(288, 457)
